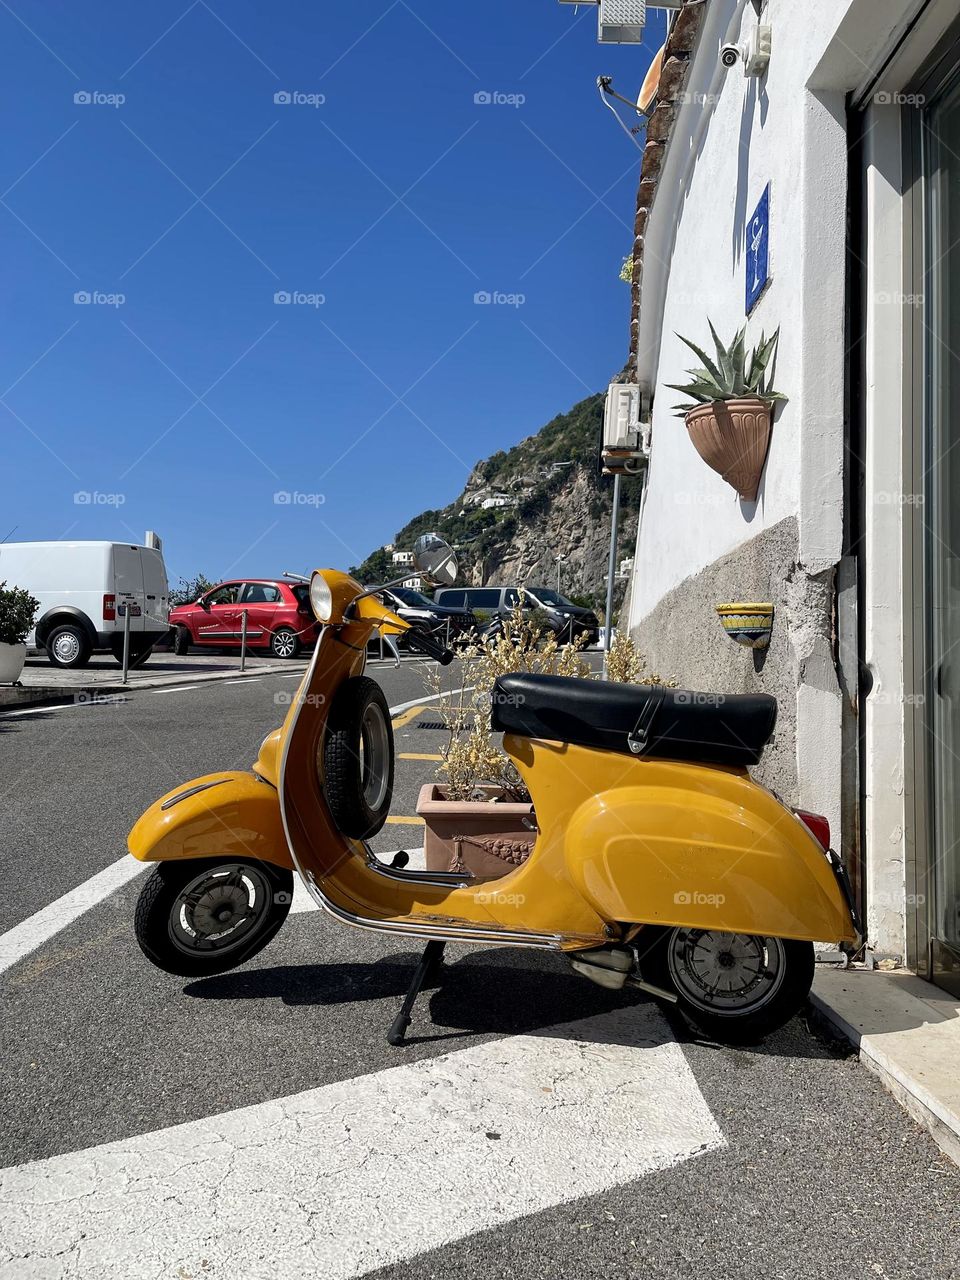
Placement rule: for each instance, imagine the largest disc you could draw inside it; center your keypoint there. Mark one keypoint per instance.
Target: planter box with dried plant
(486, 838)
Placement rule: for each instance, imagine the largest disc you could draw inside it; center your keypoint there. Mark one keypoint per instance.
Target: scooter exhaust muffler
(612, 967)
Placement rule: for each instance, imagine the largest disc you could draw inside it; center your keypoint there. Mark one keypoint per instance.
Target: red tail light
(109, 608)
(817, 825)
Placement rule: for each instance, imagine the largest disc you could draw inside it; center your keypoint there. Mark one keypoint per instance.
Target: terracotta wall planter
(732, 437)
(484, 838)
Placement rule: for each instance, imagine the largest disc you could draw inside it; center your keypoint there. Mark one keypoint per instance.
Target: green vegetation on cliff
(535, 476)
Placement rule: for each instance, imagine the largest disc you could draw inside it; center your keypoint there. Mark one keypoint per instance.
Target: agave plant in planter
(18, 612)
(733, 398)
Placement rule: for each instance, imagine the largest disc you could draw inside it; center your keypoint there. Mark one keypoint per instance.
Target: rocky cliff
(523, 507)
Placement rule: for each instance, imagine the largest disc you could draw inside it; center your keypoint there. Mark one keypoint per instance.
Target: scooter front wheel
(738, 987)
(200, 917)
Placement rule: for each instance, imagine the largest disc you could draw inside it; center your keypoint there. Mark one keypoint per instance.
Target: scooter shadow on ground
(501, 992)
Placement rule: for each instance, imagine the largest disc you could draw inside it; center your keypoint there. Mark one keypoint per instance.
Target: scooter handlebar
(425, 643)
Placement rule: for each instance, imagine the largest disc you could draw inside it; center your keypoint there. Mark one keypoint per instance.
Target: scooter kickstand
(428, 968)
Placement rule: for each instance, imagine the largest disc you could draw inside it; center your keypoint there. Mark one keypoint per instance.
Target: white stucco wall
(757, 131)
(732, 137)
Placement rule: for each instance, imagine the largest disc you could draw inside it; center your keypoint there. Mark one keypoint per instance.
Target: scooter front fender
(222, 815)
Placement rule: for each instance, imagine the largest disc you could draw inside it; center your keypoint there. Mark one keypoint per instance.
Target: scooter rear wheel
(204, 916)
(738, 987)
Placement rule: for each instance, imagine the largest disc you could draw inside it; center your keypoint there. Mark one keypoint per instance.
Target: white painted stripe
(40, 927)
(101, 700)
(368, 1172)
(179, 688)
(243, 680)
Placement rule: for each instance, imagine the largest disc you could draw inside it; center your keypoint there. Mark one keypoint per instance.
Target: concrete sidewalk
(907, 1032)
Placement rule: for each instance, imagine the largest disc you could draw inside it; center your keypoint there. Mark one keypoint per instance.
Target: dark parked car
(444, 623)
(566, 619)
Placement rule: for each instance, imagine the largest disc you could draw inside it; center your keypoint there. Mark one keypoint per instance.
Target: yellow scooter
(658, 863)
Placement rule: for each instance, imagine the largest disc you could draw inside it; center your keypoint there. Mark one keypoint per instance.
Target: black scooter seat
(674, 724)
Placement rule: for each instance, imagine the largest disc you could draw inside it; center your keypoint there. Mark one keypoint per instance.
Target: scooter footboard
(222, 815)
(705, 849)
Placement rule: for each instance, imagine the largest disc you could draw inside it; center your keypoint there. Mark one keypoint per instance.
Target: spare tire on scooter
(358, 757)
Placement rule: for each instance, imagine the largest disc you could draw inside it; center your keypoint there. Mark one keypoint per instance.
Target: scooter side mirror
(435, 560)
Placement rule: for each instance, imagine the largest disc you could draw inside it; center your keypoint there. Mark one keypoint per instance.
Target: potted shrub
(18, 612)
(478, 818)
(733, 399)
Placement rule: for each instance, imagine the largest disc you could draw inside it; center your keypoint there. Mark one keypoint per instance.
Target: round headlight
(321, 598)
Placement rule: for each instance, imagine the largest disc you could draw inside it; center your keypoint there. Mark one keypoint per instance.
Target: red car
(279, 617)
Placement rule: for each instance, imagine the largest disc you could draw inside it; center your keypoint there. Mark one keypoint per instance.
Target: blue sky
(380, 210)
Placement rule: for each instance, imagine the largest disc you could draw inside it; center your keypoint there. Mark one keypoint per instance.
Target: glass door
(941, 153)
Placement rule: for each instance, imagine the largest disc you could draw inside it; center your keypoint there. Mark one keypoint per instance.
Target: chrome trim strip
(191, 791)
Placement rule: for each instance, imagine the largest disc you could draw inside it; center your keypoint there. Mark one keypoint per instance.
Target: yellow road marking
(419, 755)
(397, 821)
(406, 716)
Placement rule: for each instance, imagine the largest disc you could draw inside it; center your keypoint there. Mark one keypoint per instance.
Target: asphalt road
(534, 1126)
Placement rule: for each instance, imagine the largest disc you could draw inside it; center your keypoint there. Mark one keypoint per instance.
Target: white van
(84, 589)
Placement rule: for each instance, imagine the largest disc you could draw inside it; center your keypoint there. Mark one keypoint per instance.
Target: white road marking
(371, 1171)
(182, 688)
(42, 925)
(243, 680)
(101, 700)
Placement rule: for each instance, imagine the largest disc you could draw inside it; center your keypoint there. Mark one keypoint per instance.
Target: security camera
(730, 55)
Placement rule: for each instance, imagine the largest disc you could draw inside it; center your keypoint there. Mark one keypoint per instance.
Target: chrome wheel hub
(374, 756)
(220, 908)
(283, 644)
(725, 973)
(66, 647)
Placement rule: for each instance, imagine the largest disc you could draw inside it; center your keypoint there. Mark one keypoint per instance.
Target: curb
(907, 1033)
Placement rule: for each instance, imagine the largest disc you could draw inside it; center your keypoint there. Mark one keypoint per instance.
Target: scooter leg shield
(222, 815)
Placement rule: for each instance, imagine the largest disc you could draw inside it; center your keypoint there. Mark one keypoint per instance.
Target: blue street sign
(758, 250)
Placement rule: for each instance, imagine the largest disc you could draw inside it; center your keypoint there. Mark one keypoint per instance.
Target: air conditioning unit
(621, 21)
(621, 417)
